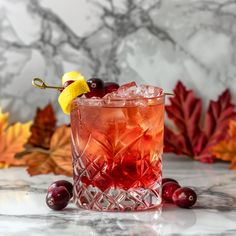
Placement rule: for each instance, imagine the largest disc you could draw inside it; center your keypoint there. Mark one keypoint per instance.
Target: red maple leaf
(43, 127)
(192, 137)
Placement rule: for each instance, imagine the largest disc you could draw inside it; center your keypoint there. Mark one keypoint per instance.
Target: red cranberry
(67, 83)
(64, 183)
(184, 197)
(165, 180)
(96, 87)
(168, 189)
(111, 87)
(58, 198)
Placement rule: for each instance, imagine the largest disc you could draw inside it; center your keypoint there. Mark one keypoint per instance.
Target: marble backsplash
(152, 41)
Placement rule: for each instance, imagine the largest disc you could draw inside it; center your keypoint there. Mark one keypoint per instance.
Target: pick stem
(39, 83)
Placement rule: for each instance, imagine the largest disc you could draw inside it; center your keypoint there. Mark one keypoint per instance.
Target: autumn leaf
(190, 136)
(12, 140)
(185, 112)
(57, 159)
(216, 123)
(3, 120)
(43, 127)
(226, 149)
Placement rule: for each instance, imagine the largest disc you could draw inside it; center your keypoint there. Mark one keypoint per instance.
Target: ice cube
(148, 91)
(93, 101)
(152, 118)
(132, 95)
(124, 91)
(113, 100)
(111, 115)
(107, 120)
(127, 86)
(128, 138)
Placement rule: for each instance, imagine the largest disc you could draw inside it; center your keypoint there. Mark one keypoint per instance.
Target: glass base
(113, 199)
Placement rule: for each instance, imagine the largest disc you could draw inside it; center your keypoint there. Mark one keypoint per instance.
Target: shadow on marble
(215, 200)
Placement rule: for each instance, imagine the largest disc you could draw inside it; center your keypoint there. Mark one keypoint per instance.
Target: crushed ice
(127, 94)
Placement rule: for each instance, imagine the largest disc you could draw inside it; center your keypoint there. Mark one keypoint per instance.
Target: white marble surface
(151, 41)
(23, 210)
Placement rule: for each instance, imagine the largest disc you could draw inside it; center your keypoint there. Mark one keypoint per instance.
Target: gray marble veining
(22, 205)
(153, 41)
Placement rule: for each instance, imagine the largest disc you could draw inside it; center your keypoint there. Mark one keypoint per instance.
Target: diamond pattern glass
(117, 154)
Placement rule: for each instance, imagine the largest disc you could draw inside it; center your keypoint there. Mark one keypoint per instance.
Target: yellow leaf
(3, 166)
(226, 149)
(12, 140)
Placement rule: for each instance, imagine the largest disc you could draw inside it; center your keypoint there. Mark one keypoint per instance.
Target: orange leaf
(56, 160)
(38, 163)
(232, 129)
(43, 127)
(12, 140)
(3, 121)
(226, 149)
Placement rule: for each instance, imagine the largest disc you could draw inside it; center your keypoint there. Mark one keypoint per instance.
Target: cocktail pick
(39, 83)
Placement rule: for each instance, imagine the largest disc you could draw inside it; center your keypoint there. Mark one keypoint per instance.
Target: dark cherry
(111, 87)
(96, 87)
(168, 189)
(68, 185)
(165, 180)
(184, 197)
(58, 198)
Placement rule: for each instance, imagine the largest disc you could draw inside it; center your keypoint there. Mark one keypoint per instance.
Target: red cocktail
(117, 144)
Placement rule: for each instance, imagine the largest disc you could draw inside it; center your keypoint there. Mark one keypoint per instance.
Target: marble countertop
(23, 210)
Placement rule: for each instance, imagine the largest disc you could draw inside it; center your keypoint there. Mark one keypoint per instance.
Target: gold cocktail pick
(39, 83)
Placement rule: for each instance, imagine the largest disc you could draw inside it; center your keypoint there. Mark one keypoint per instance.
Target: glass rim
(115, 103)
(158, 97)
(119, 99)
(162, 94)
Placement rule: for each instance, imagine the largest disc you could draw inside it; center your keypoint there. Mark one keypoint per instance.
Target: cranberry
(168, 189)
(165, 180)
(64, 183)
(58, 198)
(111, 87)
(96, 87)
(67, 83)
(184, 197)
